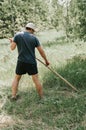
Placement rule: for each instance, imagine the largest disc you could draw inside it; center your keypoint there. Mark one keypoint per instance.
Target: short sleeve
(15, 39)
(37, 43)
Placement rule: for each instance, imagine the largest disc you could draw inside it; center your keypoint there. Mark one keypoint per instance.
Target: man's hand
(47, 62)
(13, 44)
(11, 40)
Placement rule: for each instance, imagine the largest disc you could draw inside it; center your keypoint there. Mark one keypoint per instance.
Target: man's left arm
(12, 44)
(42, 53)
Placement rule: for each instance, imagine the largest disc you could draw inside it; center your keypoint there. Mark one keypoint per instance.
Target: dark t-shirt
(26, 47)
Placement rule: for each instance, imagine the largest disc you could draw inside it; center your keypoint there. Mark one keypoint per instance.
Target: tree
(56, 14)
(78, 18)
(82, 18)
(15, 14)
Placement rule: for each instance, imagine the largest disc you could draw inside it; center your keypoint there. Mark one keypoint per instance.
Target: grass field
(61, 108)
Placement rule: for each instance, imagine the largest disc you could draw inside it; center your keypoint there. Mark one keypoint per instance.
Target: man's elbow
(12, 48)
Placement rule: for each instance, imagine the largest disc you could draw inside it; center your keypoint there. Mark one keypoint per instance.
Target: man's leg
(15, 85)
(38, 85)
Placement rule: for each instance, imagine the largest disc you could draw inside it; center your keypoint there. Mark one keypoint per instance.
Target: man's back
(26, 44)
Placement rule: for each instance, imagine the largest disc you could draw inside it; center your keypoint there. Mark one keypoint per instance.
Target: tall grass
(57, 41)
(74, 71)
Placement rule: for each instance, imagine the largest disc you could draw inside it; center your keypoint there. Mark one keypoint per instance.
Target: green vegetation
(63, 34)
(74, 71)
(68, 16)
(54, 112)
(61, 108)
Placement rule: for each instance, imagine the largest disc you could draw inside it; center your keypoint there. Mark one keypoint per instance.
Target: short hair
(27, 28)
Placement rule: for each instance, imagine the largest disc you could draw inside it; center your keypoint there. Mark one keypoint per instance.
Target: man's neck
(30, 31)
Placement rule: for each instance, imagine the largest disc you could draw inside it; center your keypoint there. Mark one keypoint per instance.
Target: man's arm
(42, 53)
(12, 44)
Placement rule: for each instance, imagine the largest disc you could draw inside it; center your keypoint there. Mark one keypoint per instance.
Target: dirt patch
(6, 121)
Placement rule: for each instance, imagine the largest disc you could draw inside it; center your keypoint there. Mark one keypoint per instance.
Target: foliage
(74, 72)
(82, 19)
(57, 14)
(78, 14)
(69, 16)
(15, 14)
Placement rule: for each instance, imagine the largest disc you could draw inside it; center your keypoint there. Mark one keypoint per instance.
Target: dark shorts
(23, 68)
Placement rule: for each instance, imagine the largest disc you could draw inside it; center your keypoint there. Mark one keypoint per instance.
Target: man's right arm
(42, 53)
(12, 44)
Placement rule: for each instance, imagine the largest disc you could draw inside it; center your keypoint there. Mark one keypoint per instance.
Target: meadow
(62, 108)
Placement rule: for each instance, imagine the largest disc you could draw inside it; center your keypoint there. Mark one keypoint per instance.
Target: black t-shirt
(26, 47)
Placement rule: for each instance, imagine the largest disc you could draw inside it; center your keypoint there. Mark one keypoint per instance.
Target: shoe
(13, 98)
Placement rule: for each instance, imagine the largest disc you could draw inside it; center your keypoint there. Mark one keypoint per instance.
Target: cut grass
(58, 110)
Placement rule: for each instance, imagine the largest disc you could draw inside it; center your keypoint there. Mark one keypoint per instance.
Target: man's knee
(35, 78)
(18, 77)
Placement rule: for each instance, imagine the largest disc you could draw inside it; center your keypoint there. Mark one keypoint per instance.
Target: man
(26, 43)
